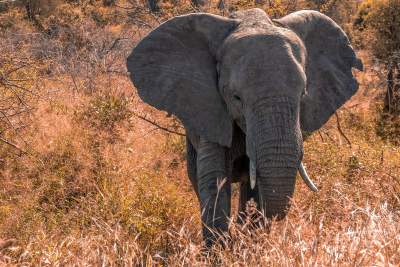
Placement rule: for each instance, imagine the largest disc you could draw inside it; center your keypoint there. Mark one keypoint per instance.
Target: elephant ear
(174, 69)
(330, 59)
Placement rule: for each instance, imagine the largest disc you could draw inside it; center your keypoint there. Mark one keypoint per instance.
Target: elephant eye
(236, 97)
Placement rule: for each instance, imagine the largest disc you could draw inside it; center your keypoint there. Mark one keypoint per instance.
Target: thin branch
(330, 137)
(74, 81)
(24, 64)
(155, 18)
(119, 72)
(13, 145)
(157, 125)
(114, 44)
(4, 115)
(12, 125)
(9, 85)
(320, 135)
(340, 129)
(16, 128)
(123, 7)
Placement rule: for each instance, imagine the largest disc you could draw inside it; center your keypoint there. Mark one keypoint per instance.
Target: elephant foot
(249, 201)
(250, 213)
(217, 234)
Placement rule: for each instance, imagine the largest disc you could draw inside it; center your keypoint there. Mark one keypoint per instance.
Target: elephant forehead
(265, 41)
(255, 56)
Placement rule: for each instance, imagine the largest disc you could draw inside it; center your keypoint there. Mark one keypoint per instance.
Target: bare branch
(340, 129)
(157, 125)
(13, 145)
(320, 135)
(114, 44)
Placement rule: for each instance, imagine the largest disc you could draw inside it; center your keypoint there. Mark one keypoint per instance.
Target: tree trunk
(199, 3)
(396, 89)
(392, 97)
(153, 5)
(31, 9)
(389, 91)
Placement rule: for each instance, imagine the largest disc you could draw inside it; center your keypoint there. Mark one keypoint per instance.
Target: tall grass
(97, 185)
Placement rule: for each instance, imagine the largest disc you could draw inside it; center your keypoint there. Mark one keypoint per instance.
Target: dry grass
(98, 186)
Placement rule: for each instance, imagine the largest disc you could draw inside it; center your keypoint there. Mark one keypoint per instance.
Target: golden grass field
(94, 185)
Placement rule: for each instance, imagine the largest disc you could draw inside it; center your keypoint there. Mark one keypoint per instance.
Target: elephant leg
(243, 197)
(191, 162)
(246, 194)
(214, 190)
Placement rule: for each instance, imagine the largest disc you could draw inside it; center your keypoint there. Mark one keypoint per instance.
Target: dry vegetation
(85, 181)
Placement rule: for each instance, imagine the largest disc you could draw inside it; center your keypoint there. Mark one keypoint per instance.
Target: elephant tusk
(306, 178)
(253, 174)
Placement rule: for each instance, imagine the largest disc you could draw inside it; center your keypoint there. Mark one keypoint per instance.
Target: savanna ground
(86, 180)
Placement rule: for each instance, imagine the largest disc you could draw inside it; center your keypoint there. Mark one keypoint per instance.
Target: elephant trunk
(275, 149)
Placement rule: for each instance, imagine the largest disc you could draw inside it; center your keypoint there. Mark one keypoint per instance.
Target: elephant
(246, 88)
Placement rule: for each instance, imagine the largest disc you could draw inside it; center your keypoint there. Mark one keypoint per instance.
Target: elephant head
(274, 79)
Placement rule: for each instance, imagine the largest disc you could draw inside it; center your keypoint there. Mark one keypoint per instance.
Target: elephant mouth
(303, 174)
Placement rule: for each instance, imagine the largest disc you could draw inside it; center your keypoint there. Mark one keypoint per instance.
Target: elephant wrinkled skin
(245, 87)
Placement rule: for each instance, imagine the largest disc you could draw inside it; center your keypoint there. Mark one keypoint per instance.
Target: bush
(105, 112)
(379, 23)
(388, 127)
(79, 196)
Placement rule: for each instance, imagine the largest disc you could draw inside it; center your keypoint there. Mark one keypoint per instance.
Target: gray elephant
(245, 88)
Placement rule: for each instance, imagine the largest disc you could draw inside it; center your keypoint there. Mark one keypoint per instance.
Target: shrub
(388, 127)
(379, 22)
(105, 111)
